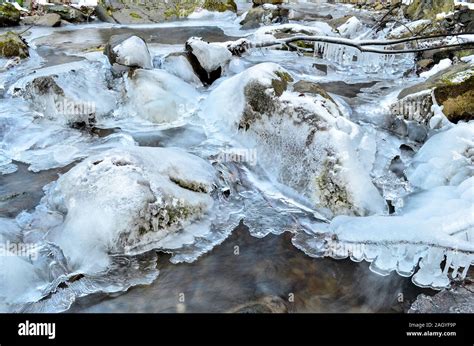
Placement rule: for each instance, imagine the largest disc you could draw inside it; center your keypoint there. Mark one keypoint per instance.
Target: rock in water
(178, 64)
(74, 96)
(266, 15)
(126, 200)
(453, 88)
(159, 97)
(67, 13)
(12, 45)
(48, 19)
(220, 5)
(208, 59)
(9, 15)
(302, 141)
(128, 51)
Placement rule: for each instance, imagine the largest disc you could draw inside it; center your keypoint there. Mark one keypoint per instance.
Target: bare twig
(362, 45)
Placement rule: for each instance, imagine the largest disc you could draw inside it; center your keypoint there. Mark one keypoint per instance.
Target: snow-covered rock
(302, 141)
(75, 94)
(447, 158)
(128, 51)
(159, 96)
(208, 59)
(126, 201)
(351, 28)
(179, 65)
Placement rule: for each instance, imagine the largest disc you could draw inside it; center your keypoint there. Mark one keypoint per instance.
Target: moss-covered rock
(428, 8)
(453, 89)
(311, 88)
(11, 45)
(9, 15)
(220, 5)
(260, 15)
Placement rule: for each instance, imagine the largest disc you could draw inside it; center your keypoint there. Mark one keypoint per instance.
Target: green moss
(12, 45)
(180, 8)
(135, 15)
(9, 15)
(220, 5)
(419, 9)
(280, 85)
(331, 193)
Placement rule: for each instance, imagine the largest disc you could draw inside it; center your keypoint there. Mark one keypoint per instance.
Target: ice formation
(158, 96)
(285, 128)
(211, 56)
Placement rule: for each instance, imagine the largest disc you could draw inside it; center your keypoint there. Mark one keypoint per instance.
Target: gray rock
(259, 15)
(457, 300)
(68, 13)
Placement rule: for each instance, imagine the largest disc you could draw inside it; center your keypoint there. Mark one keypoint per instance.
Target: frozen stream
(263, 246)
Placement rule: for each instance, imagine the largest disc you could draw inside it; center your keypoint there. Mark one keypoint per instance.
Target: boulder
(264, 15)
(75, 96)
(68, 13)
(453, 88)
(261, 2)
(456, 300)
(127, 201)
(159, 96)
(12, 45)
(302, 141)
(9, 15)
(220, 5)
(207, 59)
(179, 65)
(419, 9)
(128, 51)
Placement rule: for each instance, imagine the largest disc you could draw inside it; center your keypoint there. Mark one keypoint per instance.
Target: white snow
(122, 201)
(133, 52)
(351, 28)
(158, 96)
(442, 65)
(210, 55)
(445, 159)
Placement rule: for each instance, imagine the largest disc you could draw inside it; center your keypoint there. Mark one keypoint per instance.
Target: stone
(9, 15)
(12, 45)
(207, 59)
(68, 13)
(453, 89)
(128, 51)
(220, 5)
(48, 20)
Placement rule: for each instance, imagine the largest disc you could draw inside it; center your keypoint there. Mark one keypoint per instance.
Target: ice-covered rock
(451, 88)
(302, 141)
(159, 96)
(128, 51)
(266, 14)
(179, 65)
(447, 158)
(351, 28)
(207, 59)
(126, 201)
(75, 94)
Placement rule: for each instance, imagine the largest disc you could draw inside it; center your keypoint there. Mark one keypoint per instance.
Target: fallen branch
(364, 45)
